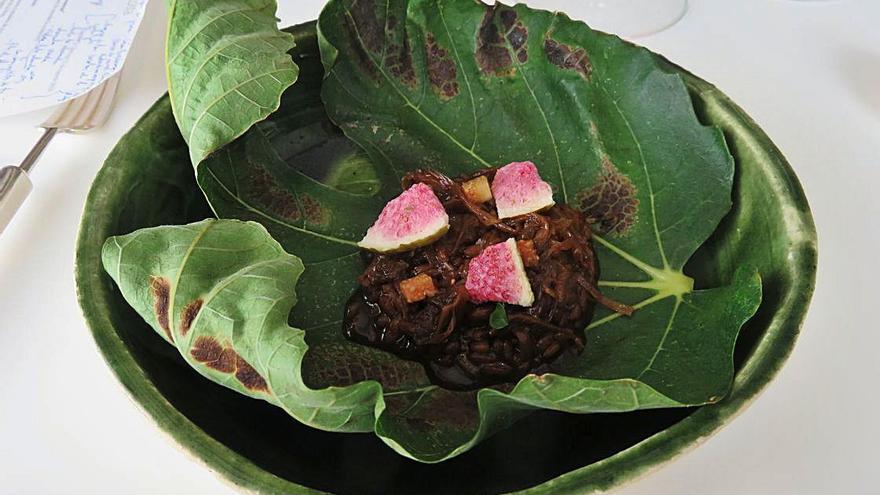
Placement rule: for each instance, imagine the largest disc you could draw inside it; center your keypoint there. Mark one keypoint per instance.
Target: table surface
(808, 72)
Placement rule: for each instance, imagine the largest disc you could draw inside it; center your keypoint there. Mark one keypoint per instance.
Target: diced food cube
(527, 252)
(418, 288)
(477, 189)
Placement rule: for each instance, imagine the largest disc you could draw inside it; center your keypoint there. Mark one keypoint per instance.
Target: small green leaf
(220, 291)
(498, 318)
(227, 66)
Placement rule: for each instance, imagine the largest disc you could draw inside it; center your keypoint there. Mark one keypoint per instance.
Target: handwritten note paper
(55, 50)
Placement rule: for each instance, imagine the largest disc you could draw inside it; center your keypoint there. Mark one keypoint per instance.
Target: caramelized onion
(448, 333)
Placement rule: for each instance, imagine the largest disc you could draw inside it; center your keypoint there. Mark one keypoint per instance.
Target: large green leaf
(676, 351)
(456, 86)
(227, 66)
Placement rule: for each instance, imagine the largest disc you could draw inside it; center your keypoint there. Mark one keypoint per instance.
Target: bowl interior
(147, 181)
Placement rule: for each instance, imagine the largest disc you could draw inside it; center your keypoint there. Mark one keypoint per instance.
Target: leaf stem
(639, 305)
(172, 293)
(411, 391)
(648, 284)
(641, 265)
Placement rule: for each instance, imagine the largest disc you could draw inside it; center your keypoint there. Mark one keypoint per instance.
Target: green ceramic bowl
(147, 181)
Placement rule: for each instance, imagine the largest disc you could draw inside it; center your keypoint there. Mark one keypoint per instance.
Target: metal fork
(80, 114)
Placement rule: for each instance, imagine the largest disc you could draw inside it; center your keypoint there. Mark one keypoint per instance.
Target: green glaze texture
(778, 242)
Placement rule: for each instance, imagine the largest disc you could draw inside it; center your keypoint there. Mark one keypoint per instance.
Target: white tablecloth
(808, 72)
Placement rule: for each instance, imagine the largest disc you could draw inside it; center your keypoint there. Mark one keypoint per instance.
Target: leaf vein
(666, 332)
(202, 29)
(648, 182)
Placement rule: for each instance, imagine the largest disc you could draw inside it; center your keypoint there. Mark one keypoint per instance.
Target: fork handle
(15, 185)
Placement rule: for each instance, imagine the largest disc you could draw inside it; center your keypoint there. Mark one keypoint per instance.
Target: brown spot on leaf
(399, 61)
(442, 71)
(209, 352)
(612, 204)
(161, 290)
(358, 52)
(517, 35)
(538, 378)
(265, 191)
(372, 43)
(494, 47)
(398, 53)
(369, 29)
(508, 19)
(365, 33)
(569, 58)
(315, 212)
(493, 56)
(189, 314)
(248, 376)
